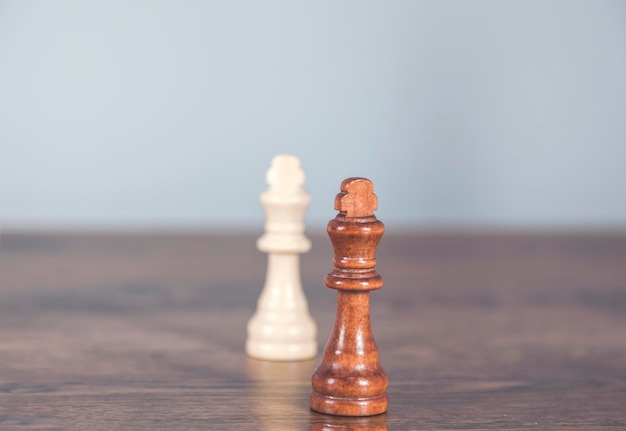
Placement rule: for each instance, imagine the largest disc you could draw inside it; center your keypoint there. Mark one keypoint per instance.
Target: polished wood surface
(475, 331)
(350, 381)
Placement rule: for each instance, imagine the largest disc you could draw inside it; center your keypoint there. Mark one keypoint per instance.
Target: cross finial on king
(357, 198)
(285, 175)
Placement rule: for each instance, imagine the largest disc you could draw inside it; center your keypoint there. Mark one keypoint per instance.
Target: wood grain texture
(476, 331)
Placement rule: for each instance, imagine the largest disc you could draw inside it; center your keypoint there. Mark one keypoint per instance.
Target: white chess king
(282, 329)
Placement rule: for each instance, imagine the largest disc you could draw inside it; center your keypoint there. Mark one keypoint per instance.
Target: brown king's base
(349, 406)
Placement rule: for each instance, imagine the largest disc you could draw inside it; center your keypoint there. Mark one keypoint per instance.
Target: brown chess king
(350, 380)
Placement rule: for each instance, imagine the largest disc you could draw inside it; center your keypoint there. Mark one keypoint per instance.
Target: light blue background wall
(152, 113)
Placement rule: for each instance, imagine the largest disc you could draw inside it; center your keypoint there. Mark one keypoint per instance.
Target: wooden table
(476, 331)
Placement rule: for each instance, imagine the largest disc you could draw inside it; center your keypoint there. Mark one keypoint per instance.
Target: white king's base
(280, 351)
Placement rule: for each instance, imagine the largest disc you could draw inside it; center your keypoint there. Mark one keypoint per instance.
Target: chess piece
(282, 329)
(350, 380)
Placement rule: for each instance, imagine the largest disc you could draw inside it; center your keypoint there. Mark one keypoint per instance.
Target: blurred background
(166, 114)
